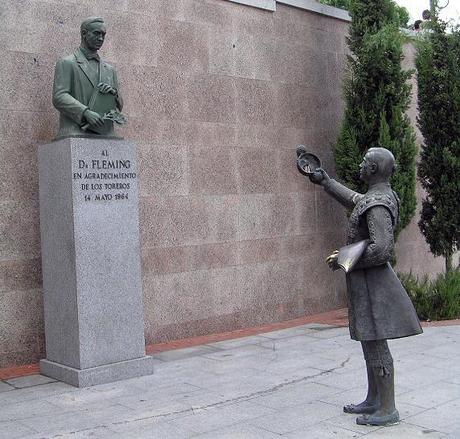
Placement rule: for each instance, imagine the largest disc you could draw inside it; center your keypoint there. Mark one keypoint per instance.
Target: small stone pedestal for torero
(94, 323)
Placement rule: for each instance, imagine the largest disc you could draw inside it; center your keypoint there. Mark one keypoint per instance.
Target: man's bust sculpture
(85, 87)
(378, 306)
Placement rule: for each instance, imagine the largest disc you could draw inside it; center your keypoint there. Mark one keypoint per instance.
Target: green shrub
(447, 287)
(438, 299)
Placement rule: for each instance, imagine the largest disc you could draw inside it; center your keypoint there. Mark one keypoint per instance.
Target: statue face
(367, 168)
(94, 36)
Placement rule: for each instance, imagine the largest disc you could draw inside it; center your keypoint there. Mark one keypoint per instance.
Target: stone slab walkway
(289, 383)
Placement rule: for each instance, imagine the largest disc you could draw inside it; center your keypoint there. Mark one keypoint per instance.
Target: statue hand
(93, 118)
(332, 260)
(106, 88)
(319, 176)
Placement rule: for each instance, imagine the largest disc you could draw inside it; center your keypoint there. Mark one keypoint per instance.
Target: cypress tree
(377, 95)
(438, 65)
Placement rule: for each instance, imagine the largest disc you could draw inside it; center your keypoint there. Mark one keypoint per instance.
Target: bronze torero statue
(85, 90)
(378, 306)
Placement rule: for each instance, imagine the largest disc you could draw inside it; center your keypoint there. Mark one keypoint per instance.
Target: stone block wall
(218, 95)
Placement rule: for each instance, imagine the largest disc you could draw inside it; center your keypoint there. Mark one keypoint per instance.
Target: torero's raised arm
(347, 197)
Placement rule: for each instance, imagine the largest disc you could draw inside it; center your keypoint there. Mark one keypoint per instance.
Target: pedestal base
(100, 374)
(92, 285)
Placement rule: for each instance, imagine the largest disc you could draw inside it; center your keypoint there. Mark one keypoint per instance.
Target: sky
(416, 7)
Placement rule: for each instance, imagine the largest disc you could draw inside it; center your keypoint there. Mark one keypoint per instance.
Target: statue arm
(380, 248)
(341, 193)
(63, 101)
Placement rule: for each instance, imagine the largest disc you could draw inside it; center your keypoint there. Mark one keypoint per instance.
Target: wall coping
(308, 5)
(319, 8)
(269, 5)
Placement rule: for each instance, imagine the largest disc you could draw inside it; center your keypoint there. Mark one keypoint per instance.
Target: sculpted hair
(385, 161)
(86, 23)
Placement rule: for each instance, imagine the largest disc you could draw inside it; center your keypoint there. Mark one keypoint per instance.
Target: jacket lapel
(84, 66)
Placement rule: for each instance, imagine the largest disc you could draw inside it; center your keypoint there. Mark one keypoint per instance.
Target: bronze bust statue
(378, 306)
(85, 90)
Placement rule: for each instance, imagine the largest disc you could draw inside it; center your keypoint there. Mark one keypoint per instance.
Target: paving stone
(200, 399)
(343, 381)
(232, 354)
(294, 418)
(148, 429)
(30, 381)
(405, 431)
(80, 400)
(291, 364)
(323, 431)
(27, 409)
(14, 430)
(319, 326)
(94, 433)
(34, 393)
(453, 379)
(330, 333)
(447, 351)
(5, 387)
(299, 341)
(54, 424)
(155, 406)
(236, 343)
(290, 332)
(424, 376)
(348, 422)
(294, 395)
(214, 418)
(238, 431)
(454, 434)
(178, 354)
(442, 418)
(432, 395)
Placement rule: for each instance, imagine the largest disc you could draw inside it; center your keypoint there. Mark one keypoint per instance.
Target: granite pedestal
(89, 222)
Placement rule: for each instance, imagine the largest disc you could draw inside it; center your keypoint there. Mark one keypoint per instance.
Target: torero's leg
(370, 404)
(381, 362)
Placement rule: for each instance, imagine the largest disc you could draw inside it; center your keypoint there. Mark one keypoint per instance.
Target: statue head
(378, 165)
(92, 32)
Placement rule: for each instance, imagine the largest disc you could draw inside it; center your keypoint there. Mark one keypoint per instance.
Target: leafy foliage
(438, 65)
(434, 300)
(377, 95)
(402, 12)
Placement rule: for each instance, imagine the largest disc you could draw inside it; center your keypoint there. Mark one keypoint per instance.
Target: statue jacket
(378, 305)
(74, 83)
